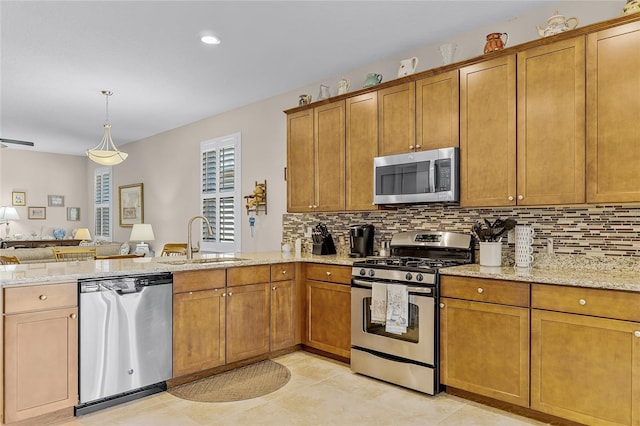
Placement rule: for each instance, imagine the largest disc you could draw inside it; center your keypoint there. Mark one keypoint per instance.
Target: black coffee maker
(361, 240)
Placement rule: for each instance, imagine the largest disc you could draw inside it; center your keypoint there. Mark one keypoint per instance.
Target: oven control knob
(419, 277)
(371, 272)
(408, 276)
(363, 272)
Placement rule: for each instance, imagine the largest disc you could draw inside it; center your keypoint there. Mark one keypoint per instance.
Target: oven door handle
(420, 291)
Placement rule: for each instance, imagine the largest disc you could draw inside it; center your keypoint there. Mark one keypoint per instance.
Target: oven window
(373, 328)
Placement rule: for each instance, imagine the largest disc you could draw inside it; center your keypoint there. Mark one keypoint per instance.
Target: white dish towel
(397, 309)
(378, 303)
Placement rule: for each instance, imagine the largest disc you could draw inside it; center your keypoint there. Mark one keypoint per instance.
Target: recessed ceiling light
(210, 40)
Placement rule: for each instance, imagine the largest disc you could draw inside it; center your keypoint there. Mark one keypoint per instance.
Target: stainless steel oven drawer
(409, 375)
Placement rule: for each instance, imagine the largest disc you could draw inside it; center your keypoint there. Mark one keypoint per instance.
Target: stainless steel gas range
(394, 315)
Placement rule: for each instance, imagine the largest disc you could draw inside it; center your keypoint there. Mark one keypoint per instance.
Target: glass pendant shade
(106, 153)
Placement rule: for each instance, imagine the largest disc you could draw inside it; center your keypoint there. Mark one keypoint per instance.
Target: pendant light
(105, 152)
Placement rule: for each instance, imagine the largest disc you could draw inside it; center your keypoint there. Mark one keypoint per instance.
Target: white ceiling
(58, 55)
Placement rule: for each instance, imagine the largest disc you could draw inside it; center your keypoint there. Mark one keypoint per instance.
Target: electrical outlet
(307, 232)
(550, 245)
(511, 236)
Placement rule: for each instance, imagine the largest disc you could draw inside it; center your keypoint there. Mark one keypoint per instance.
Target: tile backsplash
(598, 230)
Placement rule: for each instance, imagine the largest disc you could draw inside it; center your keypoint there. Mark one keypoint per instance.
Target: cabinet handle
(520, 197)
(284, 272)
(510, 198)
(418, 146)
(73, 316)
(582, 302)
(328, 273)
(480, 290)
(230, 294)
(636, 333)
(43, 297)
(273, 288)
(310, 206)
(190, 293)
(223, 295)
(411, 147)
(442, 305)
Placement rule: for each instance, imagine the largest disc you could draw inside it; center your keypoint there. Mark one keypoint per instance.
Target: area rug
(246, 382)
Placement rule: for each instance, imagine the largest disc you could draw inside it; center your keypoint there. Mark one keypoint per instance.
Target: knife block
(325, 247)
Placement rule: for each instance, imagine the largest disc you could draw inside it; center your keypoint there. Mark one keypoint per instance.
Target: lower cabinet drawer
(40, 297)
(486, 290)
(330, 273)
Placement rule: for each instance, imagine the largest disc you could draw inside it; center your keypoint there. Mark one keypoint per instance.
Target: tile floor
(320, 392)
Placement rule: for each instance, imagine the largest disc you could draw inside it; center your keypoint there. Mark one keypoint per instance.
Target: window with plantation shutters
(220, 193)
(102, 203)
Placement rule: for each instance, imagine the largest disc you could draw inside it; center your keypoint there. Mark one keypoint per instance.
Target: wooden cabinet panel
(361, 148)
(329, 317)
(488, 133)
(283, 318)
(396, 119)
(484, 348)
(587, 301)
(486, 290)
(437, 111)
(40, 297)
(41, 363)
(300, 159)
(329, 140)
(248, 275)
(585, 369)
(248, 321)
(551, 124)
(329, 273)
(283, 271)
(198, 331)
(613, 131)
(199, 280)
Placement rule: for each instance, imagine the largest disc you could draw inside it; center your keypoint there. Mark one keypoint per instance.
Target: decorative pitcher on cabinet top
(372, 79)
(557, 24)
(343, 86)
(495, 42)
(407, 66)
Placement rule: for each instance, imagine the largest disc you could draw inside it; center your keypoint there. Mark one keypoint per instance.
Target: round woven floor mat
(246, 382)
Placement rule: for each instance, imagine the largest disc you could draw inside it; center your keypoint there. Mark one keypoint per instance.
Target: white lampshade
(82, 234)
(142, 232)
(8, 213)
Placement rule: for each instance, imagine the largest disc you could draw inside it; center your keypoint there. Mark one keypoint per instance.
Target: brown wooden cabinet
(484, 337)
(583, 367)
(396, 119)
(328, 308)
(551, 124)
(488, 133)
(316, 159)
(283, 306)
(199, 311)
(248, 312)
(613, 134)
(437, 111)
(40, 350)
(361, 148)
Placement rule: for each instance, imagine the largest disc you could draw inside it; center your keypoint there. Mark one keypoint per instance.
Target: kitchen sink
(203, 260)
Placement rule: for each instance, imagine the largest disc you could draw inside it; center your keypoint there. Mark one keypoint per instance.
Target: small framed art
(56, 200)
(73, 214)
(18, 198)
(37, 213)
(131, 204)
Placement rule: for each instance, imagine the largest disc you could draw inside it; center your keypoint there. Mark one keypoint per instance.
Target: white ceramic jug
(343, 86)
(407, 66)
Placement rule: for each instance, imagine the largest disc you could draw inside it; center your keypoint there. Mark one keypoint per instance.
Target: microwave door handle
(432, 176)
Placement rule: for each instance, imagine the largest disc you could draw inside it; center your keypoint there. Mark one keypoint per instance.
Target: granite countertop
(578, 271)
(43, 273)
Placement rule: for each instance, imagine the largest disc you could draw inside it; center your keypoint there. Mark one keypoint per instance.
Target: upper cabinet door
(300, 184)
(329, 156)
(437, 111)
(488, 133)
(361, 148)
(613, 102)
(551, 124)
(397, 106)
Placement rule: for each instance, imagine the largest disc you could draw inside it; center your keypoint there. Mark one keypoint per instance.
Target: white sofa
(45, 254)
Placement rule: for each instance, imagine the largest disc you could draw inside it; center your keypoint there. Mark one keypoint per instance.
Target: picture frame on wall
(73, 214)
(56, 200)
(131, 198)
(18, 198)
(37, 213)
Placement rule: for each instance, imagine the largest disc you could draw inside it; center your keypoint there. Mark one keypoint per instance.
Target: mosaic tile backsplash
(583, 230)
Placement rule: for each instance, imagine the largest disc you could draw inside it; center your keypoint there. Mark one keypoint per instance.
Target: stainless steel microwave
(417, 177)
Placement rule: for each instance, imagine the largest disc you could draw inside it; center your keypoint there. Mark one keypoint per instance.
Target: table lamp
(7, 214)
(142, 232)
(83, 234)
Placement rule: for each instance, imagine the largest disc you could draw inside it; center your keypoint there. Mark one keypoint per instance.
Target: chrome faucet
(189, 245)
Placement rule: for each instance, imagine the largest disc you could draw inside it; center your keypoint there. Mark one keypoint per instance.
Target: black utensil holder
(324, 247)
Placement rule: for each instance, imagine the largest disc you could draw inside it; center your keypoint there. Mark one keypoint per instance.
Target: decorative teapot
(372, 79)
(557, 24)
(495, 42)
(407, 66)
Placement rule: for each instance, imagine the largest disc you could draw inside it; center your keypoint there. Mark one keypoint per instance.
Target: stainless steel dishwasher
(126, 338)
